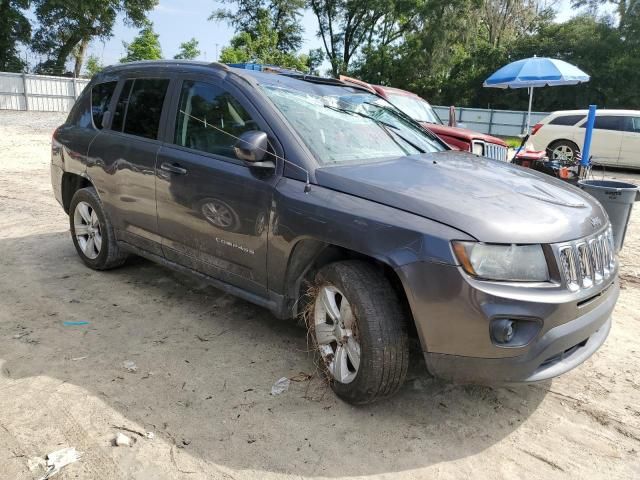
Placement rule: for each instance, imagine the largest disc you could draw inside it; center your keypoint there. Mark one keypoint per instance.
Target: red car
(421, 111)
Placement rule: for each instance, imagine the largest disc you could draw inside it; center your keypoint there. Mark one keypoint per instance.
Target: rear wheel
(563, 151)
(359, 330)
(92, 232)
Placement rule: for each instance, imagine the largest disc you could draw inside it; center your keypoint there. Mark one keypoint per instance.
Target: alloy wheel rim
(563, 153)
(87, 230)
(335, 331)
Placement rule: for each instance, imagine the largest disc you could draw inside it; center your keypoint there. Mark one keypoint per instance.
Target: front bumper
(452, 316)
(558, 351)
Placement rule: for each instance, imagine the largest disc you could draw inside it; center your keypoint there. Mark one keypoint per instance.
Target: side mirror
(251, 146)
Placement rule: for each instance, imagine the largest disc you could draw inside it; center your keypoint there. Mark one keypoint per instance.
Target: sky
(177, 21)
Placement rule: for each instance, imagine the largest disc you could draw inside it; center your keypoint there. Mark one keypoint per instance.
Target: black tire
(110, 255)
(381, 331)
(567, 145)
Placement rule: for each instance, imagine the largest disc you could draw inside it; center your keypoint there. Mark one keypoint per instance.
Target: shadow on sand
(206, 362)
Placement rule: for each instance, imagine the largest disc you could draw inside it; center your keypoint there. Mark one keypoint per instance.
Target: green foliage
(315, 57)
(14, 29)
(447, 60)
(261, 48)
(188, 50)
(146, 46)
(93, 65)
(65, 24)
(345, 25)
(444, 50)
(282, 15)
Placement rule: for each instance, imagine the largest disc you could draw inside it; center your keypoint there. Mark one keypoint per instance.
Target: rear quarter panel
(547, 134)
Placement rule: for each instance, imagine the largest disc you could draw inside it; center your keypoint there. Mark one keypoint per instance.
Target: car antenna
(307, 185)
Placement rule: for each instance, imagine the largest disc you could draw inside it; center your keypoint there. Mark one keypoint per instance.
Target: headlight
(477, 148)
(518, 263)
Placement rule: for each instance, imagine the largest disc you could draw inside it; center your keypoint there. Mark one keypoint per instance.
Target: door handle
(173, 168)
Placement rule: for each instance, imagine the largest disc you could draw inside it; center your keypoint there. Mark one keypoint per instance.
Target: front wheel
(92, 232)
(359, 331)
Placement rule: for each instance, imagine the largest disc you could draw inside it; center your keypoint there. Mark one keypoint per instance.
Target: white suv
(615, 142)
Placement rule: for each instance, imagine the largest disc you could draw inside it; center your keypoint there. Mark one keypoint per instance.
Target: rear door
(630, 149)
(213, 210)
(606, 139)
(122, 160)
(85, 121)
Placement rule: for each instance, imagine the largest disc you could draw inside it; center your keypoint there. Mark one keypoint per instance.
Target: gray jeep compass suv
(313, 197)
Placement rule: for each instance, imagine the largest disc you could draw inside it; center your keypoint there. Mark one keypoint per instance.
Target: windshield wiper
(399, 113)
(387, 127)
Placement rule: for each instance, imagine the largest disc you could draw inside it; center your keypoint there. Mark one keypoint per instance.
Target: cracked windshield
(347, 126)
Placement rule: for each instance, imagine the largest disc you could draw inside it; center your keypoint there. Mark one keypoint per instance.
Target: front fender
(392, 236)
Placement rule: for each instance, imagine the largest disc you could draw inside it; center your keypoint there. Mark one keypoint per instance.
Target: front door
(122, 160)
(213, 210)
(606, 139)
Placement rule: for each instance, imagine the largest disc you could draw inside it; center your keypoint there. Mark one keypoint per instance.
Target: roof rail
(260, 67)
(224, 66)
(164, 63)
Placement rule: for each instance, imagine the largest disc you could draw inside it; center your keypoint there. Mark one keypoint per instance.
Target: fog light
(503, 330)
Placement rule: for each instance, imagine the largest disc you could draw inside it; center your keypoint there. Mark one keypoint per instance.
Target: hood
(462, 133)
(493, 201)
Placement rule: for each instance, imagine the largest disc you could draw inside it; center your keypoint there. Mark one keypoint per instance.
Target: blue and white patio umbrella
(536, 72)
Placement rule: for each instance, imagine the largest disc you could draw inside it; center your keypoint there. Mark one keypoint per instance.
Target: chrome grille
(588, 261)
(496, 152)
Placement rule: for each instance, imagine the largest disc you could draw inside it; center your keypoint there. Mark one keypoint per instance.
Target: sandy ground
(206, 362)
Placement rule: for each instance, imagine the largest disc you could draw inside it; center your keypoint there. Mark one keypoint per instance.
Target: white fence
(504, 123)
(39, 92)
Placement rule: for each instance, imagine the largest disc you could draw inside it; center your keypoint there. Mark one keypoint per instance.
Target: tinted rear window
(140, 106)
(566, 120)
(80, 114)
(100, 99)
(608, 122)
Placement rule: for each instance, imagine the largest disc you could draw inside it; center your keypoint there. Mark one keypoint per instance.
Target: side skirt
(275, 303)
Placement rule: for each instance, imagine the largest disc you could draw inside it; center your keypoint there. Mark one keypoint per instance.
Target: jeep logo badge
(595, 222)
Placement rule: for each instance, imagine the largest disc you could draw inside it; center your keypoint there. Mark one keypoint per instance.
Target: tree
(315, 57)
(283, 16)
(188, 50)
(415, 44)
(68, 26)
(145, 46)
(93, 65)
(346, 27)
(262, 47)
(14, 29)
(507, 20)
(343, 26)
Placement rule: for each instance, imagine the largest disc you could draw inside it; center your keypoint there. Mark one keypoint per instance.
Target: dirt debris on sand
(212, 397)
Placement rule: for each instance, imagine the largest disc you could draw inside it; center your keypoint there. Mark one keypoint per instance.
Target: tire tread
(377, 304)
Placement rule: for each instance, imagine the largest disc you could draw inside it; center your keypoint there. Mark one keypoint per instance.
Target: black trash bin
(617, 199)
